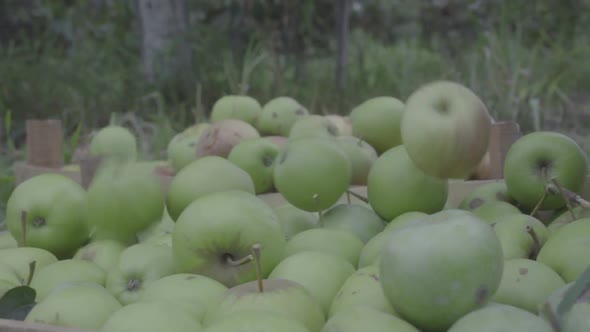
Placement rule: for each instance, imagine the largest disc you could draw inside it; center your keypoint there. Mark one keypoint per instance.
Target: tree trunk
(167, 57)
(342, 29)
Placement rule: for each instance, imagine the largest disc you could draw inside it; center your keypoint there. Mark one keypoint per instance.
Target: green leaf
(572, 295)
(17, 303)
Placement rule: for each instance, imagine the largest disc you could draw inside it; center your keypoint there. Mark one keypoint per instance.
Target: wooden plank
(19, 326)
(23, 172)
(502, 136)
(44, 143)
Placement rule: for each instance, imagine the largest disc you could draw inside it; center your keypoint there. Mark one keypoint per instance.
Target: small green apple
(362, 157)
(258, 321)
(495, 210)
(339, 242)
(181, 149)
(521, 235)
(221, 137)
(362, 318)
(104, 253)
(500, 317)
(377, 121)
(114, 142)
(358, 219)
(20, 259)
(239, 107)
(489, 192)
(256, 157)
(313, 126)
(295, 220)
(65, 271)
(278, 116)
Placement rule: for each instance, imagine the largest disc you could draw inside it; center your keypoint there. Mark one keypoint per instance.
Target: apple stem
(257, 253)
(23, 224)
(229, 260)
(361, 197)
(536, 241)
(568, 195)
(552, 317)
(539, 203)
(320, 211)
(348, 197)
(32, 266)
(565, 198)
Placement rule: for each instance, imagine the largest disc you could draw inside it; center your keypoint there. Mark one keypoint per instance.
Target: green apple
(239, 107)
(138, 267)
(181, 149)
(396, 186)
(500, 317)
(489, 192)
(566, 251)
(204, 176)
(313, 126)
(339, 242)
(576, 318)
(164, 226)
(219, 138)
(7, 240)
(195, 291)
(446, 129)
(125, 199)
(104, 253)
(20, 259)
(65, 271)
(432, 283)
(566, 218)
(312, 173)
(218, 230)
(102, 234)
(377, 121)
(363, 318)
(360, 220)
(80, 306)
(56, 213)
(343, 123)
(279, 141)
(526, 284)
(114, 142)
(521, 235)
(278, 116)
(494, 210)
(258, 321)
(8, 278)
(537, 158)
(256, 157)
(152, 317)
(362, 157)
(281, 298)
(404, 219)
(321, 274)
(371, 251)
(361, 289)
(294, 220)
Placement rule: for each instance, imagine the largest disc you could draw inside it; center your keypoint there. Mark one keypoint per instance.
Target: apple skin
(225, 225)
(514, 237)
(256, 157)
(56, 209)
(377, 121)
(279, 141)
(204, 176)
(526, 284)
(20, 258)
(396, 186)
(566, 251)
(321, 274)
(494, 210)
(371, 252)
(576, 318)
(294, 220)
(500, 317)
(362, 157)
(114, 142)
(7, 240)
(77, 306)
(257, 320)
(152, 317)
(404, 219)
(104, 253)
(489, 192)
(358, 219)
(433, 283)
(446, 129)
(312, 167)
(360, 318)
(194, 291)
(282, 298)
(239, 107)
(540, 154)
(339, 242)
(313, 126)
(278, 116)
(343, 123)
(45, 280)
(181, 148)
(219, 138)
(565, 218)
(361, 289)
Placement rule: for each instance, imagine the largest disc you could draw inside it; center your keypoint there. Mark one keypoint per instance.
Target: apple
(152, 317)
(566, 251)
(219, 138)
(204, 176)
(526, 284)
(500, 317)
(576, 318)
(56, 213)
(279, 141)
(164, 226)
(278, 116)
(361, 289)
(181, 148)
(239, 107)
(20, 259)
(362, 318)
(217, 231)
(113, 142)
(360, 220)
(404, 219)
(83, 306)
(371, 251)
(101, 234)
(537, 158)
(194, 291)
(377, 121)
(489, 192)
(312, 173)
(521, 235)
(138, 267)
(313, 126)
(258, 321)
(362, 157)
(491, 211)
(104, 253)
(8, 278)
(7, 240)
(396, 186)
(566, 218)
(483, 171)
(343, 123)
(65, 271)
(295, 220)
(256, 157)
(446, 129)
(438, 270)
(279, 297)
(339, 242)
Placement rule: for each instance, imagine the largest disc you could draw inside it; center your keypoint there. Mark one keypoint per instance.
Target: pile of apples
(209, 253)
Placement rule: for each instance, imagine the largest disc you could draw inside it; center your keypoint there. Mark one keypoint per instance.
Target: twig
(361, 197)
(536, 241)
(568, 203)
